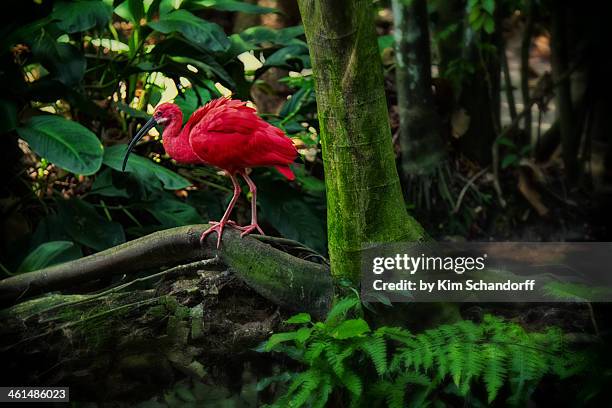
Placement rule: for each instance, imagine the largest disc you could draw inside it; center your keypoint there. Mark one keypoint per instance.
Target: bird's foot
(217, 226)
(247, 229)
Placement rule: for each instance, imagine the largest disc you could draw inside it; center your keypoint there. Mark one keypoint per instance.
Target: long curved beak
(143, 131)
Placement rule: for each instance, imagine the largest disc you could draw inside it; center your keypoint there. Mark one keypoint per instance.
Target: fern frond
(472, 367)
(456, 360)
(340, 309)
(395, 333)
(376, 349)
(495, 369)
(324, 392)
(308, 384)
(313, 351)
(335, 358)
(352, 382)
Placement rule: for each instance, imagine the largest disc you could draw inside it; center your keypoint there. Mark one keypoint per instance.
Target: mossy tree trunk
(364, 197)
(422, 149)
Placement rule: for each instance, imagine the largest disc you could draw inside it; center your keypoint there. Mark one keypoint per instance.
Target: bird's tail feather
(286, 171)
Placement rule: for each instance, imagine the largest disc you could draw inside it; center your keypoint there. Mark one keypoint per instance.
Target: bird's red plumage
(228, 134)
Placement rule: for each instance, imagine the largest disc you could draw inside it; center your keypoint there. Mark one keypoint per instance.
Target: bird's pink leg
(254, 226)
(218, 226)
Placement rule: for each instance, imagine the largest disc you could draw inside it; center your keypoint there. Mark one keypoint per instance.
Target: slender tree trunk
(449, 48)
(525, 48)
(508, 83)
(364, 197)
(421, 144)
(570, 140)
(481, 94)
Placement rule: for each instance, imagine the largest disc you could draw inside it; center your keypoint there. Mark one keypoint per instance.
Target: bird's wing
(231, 135)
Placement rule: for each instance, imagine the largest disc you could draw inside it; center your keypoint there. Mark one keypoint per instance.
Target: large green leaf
(206, 36)
(295, 215)
(171, 212)
(78, 16)
(64, 62)
(103, 185)
(188, 101)
(143, 168)
(230, 5)
(131, 10)
(84, 225)
(64, 143)
(291, 57)
(50, 253)
(262, 34)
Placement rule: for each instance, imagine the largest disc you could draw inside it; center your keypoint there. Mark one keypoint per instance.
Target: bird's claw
(218, 227)
(247, 229)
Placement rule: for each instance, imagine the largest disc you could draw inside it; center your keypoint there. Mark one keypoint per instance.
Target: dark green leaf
(63, 142)
(489, 25)
(506, 142)
(78, 16)
(50, 253)
(294, 214)
(143, 168)
(286, 36)
(291, 57)
(188, 101)
(64, 62)
(103, 185)
(206, 64)
(308, 182)
(171, 212)
(302, 97)
(489, 6)
(135, 113)
(509, 160)
(83, 223)
(208, 203)
(230, 5)
(238, 46)
(131, 10)
(207, 36)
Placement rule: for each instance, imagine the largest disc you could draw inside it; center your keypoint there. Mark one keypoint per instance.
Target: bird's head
(163, 115)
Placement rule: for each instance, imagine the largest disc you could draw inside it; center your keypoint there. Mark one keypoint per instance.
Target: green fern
(376, 348)
(407, 368)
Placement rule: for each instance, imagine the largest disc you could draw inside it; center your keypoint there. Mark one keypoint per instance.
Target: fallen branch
(290, 282)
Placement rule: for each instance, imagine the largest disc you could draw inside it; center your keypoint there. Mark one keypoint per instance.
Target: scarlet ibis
(227, 134)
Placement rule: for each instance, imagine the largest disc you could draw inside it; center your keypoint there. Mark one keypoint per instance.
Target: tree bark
(422, 148)
(288, 281)
(364, 197)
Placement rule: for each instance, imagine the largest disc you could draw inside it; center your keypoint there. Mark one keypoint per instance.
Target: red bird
(229, 135)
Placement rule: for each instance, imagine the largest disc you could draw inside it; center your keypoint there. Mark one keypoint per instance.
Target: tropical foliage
(391, 366)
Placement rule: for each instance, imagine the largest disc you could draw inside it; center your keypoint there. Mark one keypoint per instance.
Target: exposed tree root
(129, 341)
(288, 281)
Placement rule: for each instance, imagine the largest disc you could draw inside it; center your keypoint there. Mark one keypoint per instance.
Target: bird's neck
(176, 143)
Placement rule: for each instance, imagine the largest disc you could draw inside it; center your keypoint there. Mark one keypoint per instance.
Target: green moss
(364, 198)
